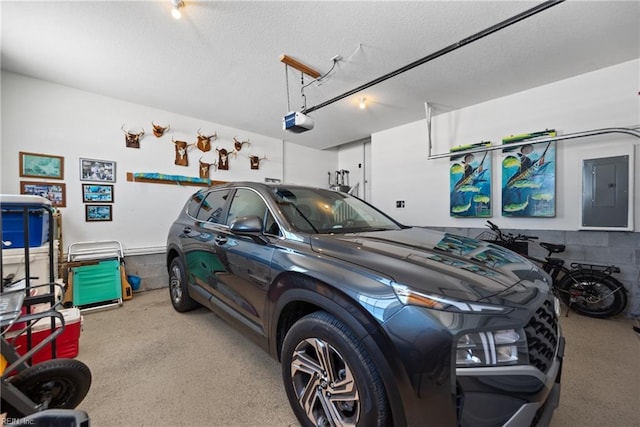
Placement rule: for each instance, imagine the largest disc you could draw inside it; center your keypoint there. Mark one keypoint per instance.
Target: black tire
(593, 294)
(346, 382)
(56, 384)
(178, 290)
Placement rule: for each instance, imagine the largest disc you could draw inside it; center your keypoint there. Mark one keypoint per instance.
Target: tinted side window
(246, 202)
(194, 204)
(212, 206)
(270, 225)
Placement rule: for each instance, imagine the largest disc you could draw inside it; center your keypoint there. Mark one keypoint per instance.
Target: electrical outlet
(399, 204)
(337, 58)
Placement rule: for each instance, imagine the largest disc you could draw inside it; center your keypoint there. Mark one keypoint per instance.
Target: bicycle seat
(555, 249)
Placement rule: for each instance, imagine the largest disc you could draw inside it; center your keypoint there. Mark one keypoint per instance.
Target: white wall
(600, 99)
(42, 117)
(308, 166)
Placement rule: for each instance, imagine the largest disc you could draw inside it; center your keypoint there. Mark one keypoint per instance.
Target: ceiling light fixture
(175, 10)
(363, 104)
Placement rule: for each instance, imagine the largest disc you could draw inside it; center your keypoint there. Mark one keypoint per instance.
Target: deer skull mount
(204, 141)
(237, 145)
(182, 158)
(255, 161)
(158, 130)
(205, 168)
(132, 139)
(223, 159)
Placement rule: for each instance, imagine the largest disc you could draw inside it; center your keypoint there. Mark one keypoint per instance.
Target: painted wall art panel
(529, 177)
(470, 185)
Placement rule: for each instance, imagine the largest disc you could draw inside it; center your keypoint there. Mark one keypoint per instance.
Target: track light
(175, 10)
(363, 104)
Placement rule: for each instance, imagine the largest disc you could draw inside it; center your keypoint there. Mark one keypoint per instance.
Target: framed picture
(95, 213)
(41, 165)
(97, 170)
(97, 193)
(52, 191)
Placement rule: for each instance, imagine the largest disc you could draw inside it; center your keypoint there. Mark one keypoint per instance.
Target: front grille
(542, 336)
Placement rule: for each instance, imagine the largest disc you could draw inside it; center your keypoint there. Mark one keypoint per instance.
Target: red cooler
(67, 343)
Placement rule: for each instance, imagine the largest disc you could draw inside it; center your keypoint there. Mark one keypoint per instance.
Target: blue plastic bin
(13, 235)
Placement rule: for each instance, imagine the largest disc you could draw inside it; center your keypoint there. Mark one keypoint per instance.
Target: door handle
(220, 240)
(186, 230)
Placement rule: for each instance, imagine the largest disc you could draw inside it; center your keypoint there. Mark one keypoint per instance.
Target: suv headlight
(491, 348)
(409, 296)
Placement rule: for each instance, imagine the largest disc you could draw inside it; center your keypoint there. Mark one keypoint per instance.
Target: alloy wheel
(175, 284)
(324, 384)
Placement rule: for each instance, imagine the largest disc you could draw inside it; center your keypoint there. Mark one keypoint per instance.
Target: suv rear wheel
(178, 287)
(329, 378)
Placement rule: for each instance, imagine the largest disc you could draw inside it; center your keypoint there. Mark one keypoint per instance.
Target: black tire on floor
(325, 366)
(178, 291)
(58, 383)
(593, 294)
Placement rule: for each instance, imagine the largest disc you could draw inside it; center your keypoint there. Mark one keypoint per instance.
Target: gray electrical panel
(605, 192)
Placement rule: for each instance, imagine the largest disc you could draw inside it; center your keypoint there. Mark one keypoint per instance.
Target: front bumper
(513, 396)
(430, 389)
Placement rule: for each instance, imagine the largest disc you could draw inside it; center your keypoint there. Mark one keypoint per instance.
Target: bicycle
(588, 289)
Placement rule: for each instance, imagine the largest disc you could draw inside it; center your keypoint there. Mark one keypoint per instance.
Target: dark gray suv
(375, 323)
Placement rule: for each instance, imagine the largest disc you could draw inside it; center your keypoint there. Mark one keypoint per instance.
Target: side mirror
(250, 226)
(246, 225)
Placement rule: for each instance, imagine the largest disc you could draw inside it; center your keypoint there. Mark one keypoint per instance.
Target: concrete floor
(152, 366)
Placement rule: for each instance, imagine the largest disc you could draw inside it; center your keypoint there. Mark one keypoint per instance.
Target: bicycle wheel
(592, 294)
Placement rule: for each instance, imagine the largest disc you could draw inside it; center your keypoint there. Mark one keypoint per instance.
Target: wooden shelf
(170, 181)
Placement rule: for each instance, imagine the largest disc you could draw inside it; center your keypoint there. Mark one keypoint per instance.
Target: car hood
(439, 263)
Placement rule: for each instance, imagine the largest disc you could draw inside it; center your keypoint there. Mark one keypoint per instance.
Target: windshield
(326, 211)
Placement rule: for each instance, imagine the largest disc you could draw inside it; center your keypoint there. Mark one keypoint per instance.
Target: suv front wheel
(329, 378)
(178, 287)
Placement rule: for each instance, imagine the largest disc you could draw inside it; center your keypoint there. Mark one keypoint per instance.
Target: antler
(209, 137)
(206, 163)
(159, 130)
(186, 144)
(237, 145)
(131, 133)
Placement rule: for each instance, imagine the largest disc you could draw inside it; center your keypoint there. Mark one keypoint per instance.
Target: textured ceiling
(220, 62)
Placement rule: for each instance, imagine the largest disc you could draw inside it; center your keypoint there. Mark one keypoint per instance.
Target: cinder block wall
(598, 247)
(151, 269)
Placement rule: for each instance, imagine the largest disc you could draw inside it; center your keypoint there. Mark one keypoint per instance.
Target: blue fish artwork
(470, 186)
(528, 180)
